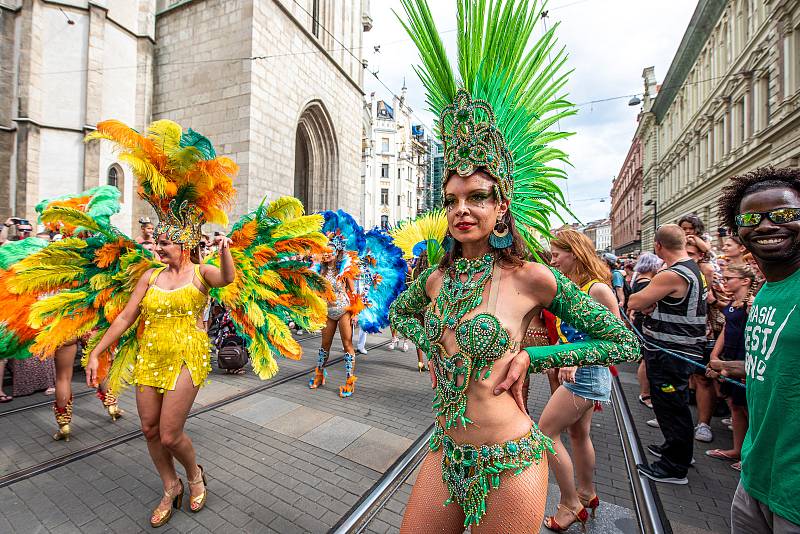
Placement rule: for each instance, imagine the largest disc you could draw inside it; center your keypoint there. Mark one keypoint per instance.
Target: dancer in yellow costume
(173, 337)
(146, 315)
(173, 358)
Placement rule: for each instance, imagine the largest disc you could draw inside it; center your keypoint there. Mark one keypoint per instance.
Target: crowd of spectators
(714, 314)
(688, 311)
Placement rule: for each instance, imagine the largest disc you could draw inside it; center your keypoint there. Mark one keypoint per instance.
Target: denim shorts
(592, 382)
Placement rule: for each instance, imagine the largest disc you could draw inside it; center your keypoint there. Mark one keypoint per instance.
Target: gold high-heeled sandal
(111, 405)
(63, 419)
(198, 502)
(160, 516)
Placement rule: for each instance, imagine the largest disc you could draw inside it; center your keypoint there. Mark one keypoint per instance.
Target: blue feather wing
(383, 279)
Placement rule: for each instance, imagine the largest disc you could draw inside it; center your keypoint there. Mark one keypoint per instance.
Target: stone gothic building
(275, 84)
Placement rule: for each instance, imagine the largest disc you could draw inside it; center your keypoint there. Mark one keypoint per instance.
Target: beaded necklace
(462, 288)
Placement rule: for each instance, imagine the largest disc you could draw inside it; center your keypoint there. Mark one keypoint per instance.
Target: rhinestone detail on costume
(470, 471)
(480, 340)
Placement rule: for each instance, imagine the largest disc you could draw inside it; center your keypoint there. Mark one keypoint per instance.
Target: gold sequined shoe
(63, 419)
(110, 402)
(197, 502)
(161, 515)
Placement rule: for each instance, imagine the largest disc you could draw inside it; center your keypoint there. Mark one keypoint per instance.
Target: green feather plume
(522, 79)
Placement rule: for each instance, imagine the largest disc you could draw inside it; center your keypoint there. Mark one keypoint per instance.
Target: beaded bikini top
(480, 340)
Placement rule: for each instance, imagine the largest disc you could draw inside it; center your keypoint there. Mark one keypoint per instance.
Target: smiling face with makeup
(472, 211)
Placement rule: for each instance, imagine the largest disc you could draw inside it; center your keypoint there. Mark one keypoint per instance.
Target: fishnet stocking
(516, 507)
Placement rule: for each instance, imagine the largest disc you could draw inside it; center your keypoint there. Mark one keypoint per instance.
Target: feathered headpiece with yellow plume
(423, 235)
(179, 174)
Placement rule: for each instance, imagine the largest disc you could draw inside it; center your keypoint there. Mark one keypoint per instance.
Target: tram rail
(54, 463)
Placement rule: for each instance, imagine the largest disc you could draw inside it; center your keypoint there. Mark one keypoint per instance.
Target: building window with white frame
(384, 197)
(116, 178)
(384, 144)
(384, 170)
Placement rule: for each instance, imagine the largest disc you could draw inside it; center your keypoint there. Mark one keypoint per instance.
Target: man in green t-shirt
(764, 207)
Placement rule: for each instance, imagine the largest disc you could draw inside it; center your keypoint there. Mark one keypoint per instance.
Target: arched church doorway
(316, 169)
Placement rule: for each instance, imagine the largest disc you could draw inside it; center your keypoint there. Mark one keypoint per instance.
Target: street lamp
(634, 101)
(651, 202)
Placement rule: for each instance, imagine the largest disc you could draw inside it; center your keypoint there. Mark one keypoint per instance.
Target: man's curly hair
(760, 179)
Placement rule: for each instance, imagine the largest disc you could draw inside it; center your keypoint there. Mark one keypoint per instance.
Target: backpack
(232, 353)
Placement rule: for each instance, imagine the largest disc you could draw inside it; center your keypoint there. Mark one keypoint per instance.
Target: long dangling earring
(447, 242)
(501, 236)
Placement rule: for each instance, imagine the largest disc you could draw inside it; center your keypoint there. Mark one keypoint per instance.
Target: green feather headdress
(498, 114)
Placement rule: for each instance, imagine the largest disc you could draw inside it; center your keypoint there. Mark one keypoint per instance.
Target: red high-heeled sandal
(581, 516)
(590, 504)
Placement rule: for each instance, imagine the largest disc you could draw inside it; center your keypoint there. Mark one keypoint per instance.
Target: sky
(609, 43)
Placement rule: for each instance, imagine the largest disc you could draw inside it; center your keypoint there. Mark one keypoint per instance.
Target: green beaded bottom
(470, 471)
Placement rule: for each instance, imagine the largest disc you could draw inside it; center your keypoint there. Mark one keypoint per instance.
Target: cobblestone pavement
(286, 459)
(704, 504)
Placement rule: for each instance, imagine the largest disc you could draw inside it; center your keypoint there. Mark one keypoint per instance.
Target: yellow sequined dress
(171, 338)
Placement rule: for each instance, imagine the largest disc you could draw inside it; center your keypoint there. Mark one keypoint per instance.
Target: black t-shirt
(638, 285)
(735, 321)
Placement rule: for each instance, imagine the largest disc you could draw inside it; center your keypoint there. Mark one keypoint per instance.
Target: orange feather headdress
(179, 174)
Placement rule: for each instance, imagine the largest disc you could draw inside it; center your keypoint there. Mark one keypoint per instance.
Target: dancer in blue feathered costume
(342, 269)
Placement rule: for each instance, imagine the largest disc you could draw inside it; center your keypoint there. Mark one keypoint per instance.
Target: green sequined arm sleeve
(405, 313)
(611, 342)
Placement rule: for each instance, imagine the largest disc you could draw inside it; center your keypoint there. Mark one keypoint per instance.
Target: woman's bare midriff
(495, 418)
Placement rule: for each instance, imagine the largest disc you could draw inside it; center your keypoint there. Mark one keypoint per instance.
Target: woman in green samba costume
(487, 458)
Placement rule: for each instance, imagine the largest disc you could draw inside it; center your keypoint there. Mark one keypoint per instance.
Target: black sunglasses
(778, 216)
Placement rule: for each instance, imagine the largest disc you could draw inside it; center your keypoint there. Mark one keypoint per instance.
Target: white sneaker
(653, 423)
(300, 331)
(393, 344)
(727, 421)
(405, 346)
(362, 350)
(702, 432)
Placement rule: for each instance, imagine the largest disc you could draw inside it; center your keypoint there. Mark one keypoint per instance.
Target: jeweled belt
(470, 471)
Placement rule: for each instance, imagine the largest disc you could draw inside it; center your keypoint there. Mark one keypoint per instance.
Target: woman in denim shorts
(581, 388)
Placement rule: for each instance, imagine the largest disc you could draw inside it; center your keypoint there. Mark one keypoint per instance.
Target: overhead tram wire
(350, 51)
(358, 59)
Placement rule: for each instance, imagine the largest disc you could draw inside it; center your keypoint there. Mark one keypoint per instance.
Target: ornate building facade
(397, 167)
(730, 102)
(276, 85)
(626, 203)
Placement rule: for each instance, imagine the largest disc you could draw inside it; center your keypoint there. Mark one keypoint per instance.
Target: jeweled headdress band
(183, 225)
(471, 140)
